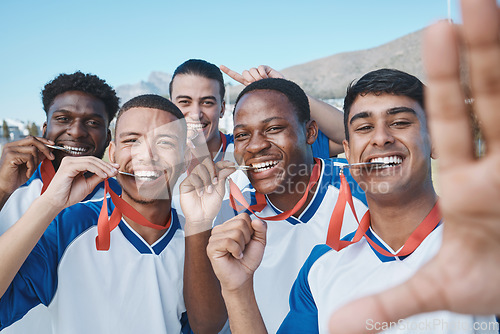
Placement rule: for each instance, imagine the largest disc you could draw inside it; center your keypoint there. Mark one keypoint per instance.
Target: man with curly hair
(79, 109)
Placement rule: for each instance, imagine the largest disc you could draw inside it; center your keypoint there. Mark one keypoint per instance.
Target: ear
(111, 152)
(108, 138)
(345, 143)
(312, 131)
(222, 109)
(44, 129)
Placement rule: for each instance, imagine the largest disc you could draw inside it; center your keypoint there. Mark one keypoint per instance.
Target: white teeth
(75, 150)
(262, 166)
(147, 174)
(394, 159)
(195, 126)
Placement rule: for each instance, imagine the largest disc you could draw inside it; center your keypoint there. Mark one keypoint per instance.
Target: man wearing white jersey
(464, 275)
(122, 275)
(79, 108)
(292, 189)
(385, 122)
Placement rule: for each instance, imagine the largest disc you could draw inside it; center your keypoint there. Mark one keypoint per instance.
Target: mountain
(157, 83)
(325, 78)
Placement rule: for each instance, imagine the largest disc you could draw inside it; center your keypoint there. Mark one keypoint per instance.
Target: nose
(194, 112)
(257, 143)
(382, 136)
(77, 129)
(144, 151)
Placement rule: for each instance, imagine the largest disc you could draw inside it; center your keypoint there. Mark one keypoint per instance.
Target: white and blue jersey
(132, 288)
(36, 320)
(330, 279)
(290, 241)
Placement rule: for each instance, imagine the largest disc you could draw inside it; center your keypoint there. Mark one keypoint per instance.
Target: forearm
(202, 294)
(330, 119)
(4, 196)
(243, 311)
(17, 243)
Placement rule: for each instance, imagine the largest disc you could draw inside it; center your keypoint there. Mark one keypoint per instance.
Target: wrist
(197, 226)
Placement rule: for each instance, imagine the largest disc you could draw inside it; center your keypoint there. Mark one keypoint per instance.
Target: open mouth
(391, 161)
(76, 150)
(147, 175)
(263, 166)
(196, 126)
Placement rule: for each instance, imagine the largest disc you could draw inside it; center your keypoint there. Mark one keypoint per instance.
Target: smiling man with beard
(122, 275)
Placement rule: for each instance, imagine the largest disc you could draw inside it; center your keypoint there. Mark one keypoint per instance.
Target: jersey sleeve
(35, 281)
(303, 314)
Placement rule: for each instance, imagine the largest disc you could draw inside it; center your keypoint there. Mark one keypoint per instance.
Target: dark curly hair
(291, 90)
(378, 82)
(86, 83)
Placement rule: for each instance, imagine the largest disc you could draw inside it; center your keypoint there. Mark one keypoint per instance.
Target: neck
(157, 212)
(214, 145)
(292, 191)
(395, 220)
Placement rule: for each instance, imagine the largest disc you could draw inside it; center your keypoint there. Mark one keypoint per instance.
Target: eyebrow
(64, 111)
(265, 121)
(391, 111)
(131, 133)
(211, 97)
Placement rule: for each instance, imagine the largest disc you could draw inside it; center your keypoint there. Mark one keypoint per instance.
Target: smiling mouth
(76, 150)
(263, 166)
(391, 161)
(196, 126)
(147, 175)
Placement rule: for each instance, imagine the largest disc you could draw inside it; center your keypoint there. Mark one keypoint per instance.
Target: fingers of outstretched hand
(233, 74)
(419, 294)
(449, 121)
(481, 33)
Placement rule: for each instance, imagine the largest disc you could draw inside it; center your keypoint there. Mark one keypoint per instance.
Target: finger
(445, 101)
(224, 169)
(264, 71)
(248, 77)
(192, 182)
(481, 27)
(419, 294)
(233, 74)
(211, 169)
(272, 73)
(90, 164)
(205, 176)
(256, 74)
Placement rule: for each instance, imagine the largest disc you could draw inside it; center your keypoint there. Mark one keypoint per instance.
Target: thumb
(260, 230)
(417, 295)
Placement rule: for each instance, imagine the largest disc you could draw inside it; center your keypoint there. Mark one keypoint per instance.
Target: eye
(275, 129)
(94, 123)
(62, 119)
(183, 102)
(401, 124)
(241, 136)
(363, 128)
(165, 142)
(208, 103)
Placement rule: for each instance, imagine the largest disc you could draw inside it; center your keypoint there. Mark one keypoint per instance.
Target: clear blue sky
(123, 41)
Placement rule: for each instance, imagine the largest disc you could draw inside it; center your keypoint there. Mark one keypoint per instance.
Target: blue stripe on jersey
(303, 314)
(221, 155)
(321, 147)
(330, 177)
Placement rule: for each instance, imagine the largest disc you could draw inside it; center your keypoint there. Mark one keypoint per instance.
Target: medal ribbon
(47, 173)
(333, 237)
(105, 225)
(236, 195)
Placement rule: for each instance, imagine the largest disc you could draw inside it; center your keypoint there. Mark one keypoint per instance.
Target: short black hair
(291, 90)
(385, 80)
(86, 83)
(152, 101)
(200, 68)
